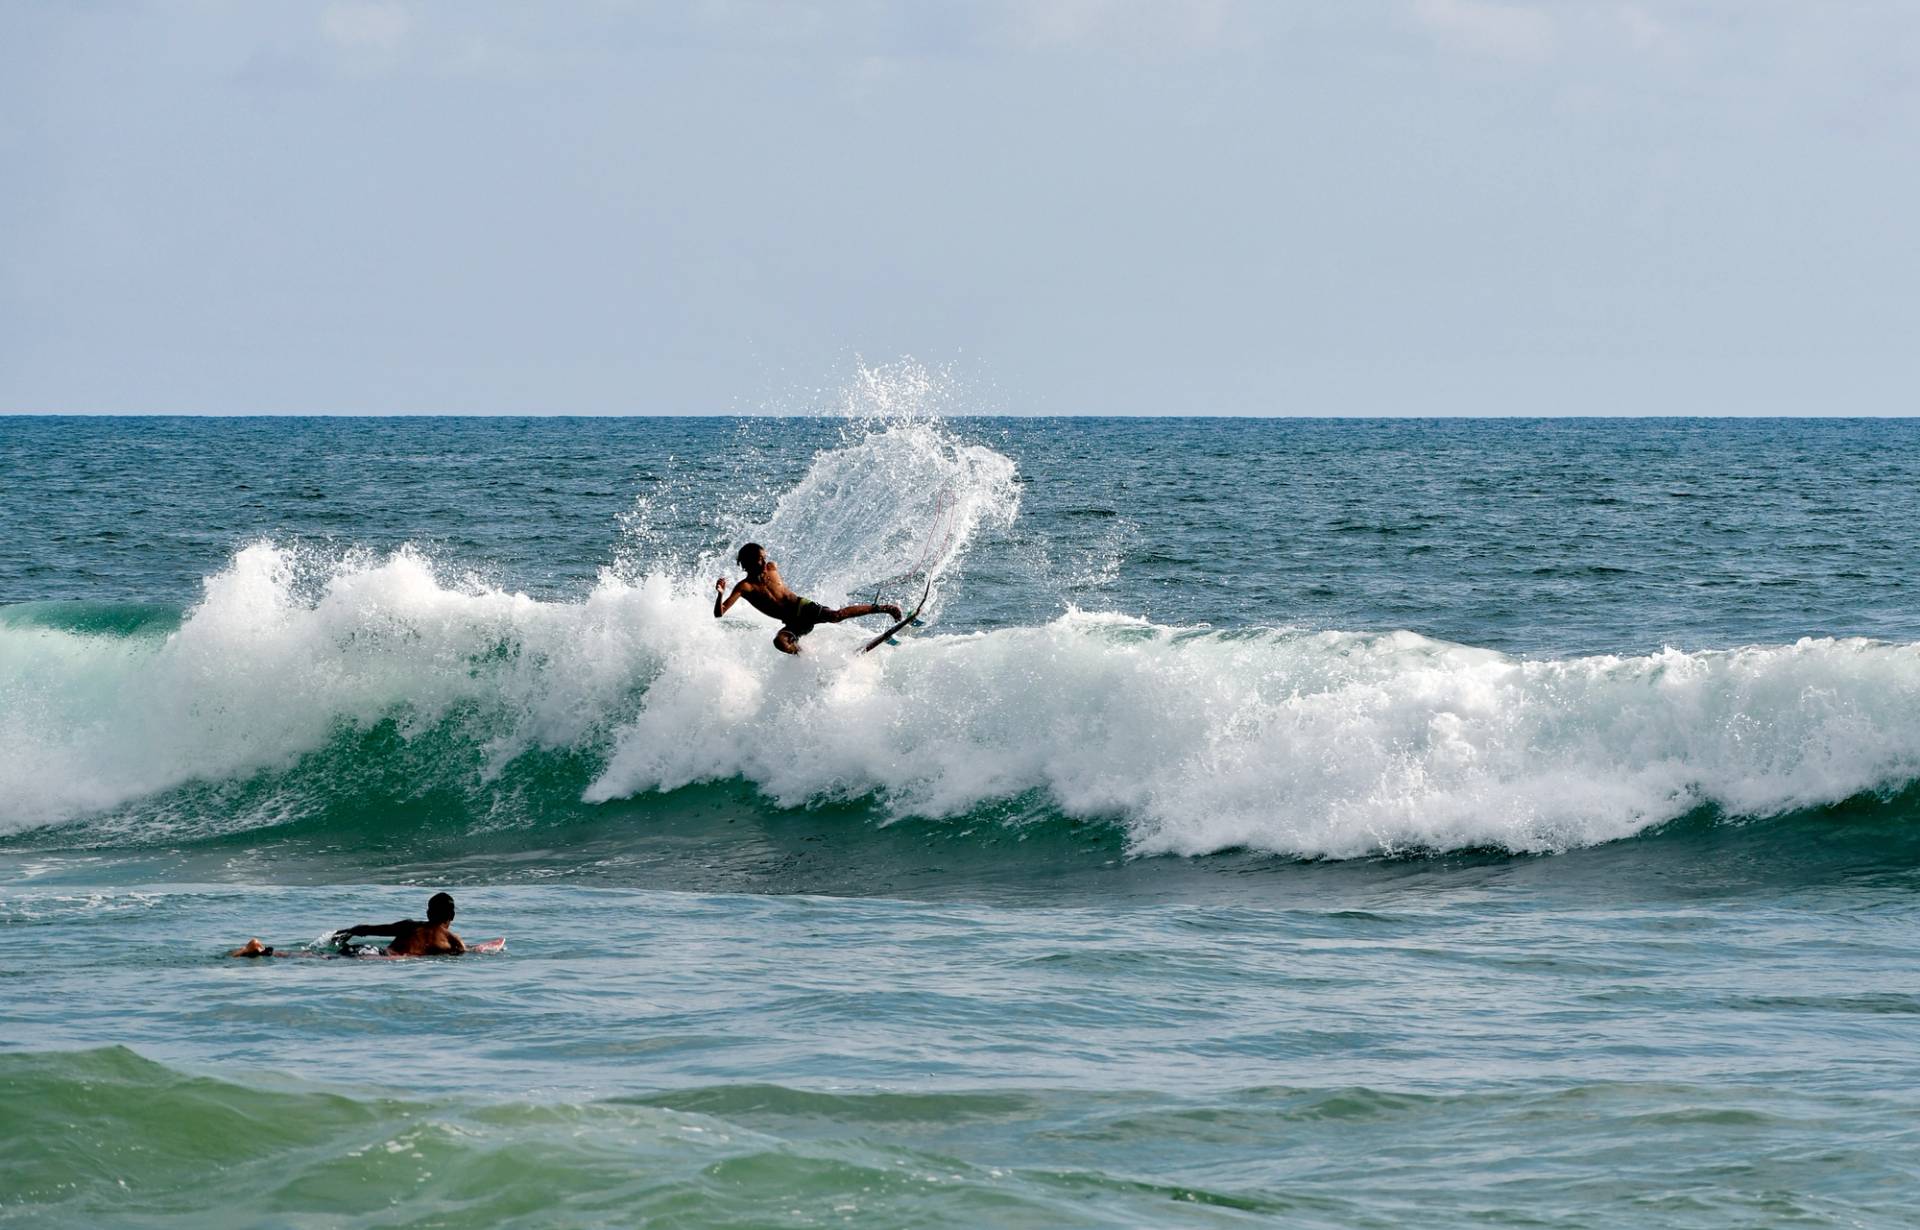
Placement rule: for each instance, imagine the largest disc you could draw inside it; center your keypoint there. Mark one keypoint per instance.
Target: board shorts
(806, 616)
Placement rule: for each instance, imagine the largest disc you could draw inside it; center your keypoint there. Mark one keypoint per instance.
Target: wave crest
(1311, 744)
(1308, 744)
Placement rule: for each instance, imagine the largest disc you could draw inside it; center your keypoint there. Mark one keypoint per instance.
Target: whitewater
(1193, 739)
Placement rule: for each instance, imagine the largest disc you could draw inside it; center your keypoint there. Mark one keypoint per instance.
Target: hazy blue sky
(1429, 206)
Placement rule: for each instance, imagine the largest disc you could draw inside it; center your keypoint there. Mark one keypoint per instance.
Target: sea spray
(894, 508)
(896, 505)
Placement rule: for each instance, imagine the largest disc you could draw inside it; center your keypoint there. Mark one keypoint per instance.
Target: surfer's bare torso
(766, 593)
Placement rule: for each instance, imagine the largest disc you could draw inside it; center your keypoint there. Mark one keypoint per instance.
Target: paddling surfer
(767, 593)
(411, 937)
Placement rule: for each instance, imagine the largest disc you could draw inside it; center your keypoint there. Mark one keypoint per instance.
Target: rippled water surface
(1297, 823)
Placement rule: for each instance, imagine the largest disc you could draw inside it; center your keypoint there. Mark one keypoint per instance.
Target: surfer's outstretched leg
(863, 608)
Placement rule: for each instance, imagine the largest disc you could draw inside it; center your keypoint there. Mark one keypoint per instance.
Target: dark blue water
(1323, 823)
(1529, 536)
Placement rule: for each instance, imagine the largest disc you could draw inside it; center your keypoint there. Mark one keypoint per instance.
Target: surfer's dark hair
(440, 908)
(750, 555)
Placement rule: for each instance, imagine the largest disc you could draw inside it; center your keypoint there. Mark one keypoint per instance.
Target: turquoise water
(1304, 823)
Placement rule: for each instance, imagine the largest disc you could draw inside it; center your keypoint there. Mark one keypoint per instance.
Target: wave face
(1313, 744)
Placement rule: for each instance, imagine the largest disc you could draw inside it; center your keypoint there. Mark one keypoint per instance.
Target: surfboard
(497, 944)
(912, 615)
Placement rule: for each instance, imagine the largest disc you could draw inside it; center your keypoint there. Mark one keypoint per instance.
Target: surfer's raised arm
(722, 605)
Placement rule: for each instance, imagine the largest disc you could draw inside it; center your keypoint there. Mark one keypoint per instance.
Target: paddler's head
(753, 558)
(440, 908)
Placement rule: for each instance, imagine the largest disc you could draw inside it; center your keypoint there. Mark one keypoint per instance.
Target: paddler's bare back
(411, 936)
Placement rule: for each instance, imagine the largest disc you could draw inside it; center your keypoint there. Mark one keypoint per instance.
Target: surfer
(411, 937)
(767, 593)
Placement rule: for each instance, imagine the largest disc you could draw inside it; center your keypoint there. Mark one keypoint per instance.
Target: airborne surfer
(411, 937)
(767, 593)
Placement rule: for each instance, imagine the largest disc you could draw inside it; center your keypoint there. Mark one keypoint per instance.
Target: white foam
(256, 676)
(1317, 744)
(1326, 744)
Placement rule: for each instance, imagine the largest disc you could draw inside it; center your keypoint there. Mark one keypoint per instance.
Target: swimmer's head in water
(440, 908)
(752, 557)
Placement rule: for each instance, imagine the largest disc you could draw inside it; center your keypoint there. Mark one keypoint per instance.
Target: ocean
(1273, 822)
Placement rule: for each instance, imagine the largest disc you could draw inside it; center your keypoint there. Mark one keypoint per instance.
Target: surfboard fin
(886, 638)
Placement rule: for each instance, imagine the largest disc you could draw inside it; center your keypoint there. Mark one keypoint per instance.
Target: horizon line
(1354, 416)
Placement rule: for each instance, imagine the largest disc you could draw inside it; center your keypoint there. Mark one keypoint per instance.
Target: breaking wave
(1317, 744)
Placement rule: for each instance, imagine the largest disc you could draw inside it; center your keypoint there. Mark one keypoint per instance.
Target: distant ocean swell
(1307, 744)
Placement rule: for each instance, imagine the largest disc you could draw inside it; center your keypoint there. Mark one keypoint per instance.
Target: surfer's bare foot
(892, 611)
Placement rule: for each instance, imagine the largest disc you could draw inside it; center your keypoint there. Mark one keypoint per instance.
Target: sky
(1073, 206)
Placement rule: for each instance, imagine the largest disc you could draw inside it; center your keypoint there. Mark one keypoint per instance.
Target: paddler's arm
(722, 605)
(393, 928)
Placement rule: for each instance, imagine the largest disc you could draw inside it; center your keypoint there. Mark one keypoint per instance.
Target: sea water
(1312, 823)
